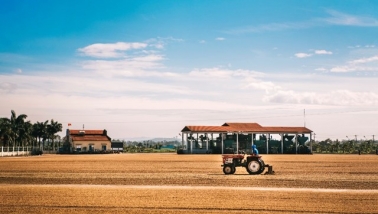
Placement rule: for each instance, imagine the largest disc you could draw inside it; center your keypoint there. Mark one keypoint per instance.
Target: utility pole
(304, 117)
(359, 151)
(314, 141)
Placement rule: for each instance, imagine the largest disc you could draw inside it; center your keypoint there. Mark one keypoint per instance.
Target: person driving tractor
(254, 150)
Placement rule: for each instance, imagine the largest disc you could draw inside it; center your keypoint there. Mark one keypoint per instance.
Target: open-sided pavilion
(232, 137)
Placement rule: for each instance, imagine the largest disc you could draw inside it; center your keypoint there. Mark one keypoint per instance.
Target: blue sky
(148, 68)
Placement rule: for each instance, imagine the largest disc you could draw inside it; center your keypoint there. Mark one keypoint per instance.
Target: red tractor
(253, 163)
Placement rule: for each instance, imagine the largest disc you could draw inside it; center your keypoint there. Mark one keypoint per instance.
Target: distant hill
(140, 139)
(165, 139)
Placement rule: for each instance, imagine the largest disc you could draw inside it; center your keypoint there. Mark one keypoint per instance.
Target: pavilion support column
(197, 141)
(207, 143)
(296, 143)
(251, 143)
(282, 140)
(267, 144)
(191, 145)
(182, 139)
(237, 143)
(222, 142)
(212, 140)
(311, 142)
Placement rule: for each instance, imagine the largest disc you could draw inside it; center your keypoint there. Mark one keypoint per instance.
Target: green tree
(351, 146)
(336, 146)
(5, 131)
(51, 130)
(24, 136)
(40, 132)
(344, 146)
(17, 124)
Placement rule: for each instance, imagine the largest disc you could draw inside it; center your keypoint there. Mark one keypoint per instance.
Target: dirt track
(156, 183)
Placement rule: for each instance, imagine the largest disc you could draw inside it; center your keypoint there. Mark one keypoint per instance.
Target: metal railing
(15, 151)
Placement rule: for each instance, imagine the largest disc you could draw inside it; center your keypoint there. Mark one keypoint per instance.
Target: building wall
(87, 145)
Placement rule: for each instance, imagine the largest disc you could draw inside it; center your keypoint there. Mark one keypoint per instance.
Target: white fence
(15, 151)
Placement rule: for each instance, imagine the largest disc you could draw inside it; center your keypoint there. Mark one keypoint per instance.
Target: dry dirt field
(170, 183)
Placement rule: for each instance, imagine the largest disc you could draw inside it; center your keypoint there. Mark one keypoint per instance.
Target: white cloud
(302, 55)
(266, 86)
(158, 45)
(245, 79)
(272, 27)
(202, 41)
(110, 50)
(7, 87)
(320, 69)
(19, 70)
(318, 52)
(364, 60)
(141, 62)
(351, 68)
(358, 65)
(338, 18)
(322, 52)
(342, 69)
(224, 73)
(220, 39)
(336, 97)
(202, 96)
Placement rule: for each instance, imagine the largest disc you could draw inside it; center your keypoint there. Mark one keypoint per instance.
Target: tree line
(345, 146)
(146, 145)
(17, 131)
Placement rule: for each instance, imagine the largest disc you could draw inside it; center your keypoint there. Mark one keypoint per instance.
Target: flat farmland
(170, 183)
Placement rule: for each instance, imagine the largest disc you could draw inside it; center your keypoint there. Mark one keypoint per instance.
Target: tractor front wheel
(255, 167)
(228, 169)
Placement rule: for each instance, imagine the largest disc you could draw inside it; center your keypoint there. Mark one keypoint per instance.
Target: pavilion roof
(246, 127)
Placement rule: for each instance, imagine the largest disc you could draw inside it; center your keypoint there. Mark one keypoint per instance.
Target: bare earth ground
(170, 183)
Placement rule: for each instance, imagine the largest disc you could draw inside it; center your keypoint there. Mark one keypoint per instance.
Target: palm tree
(52, 129)
(5, 131)
(17, 124)
(336, 146)
(344, 146)
(25, 134)
(351, 146)
(40, 131)
(35, 134)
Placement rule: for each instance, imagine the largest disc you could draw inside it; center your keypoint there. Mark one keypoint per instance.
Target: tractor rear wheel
(228, 169)
(255, 167)
(233, 170)
(263, 166)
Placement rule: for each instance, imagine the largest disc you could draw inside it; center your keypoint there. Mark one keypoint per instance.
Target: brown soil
(127, 183)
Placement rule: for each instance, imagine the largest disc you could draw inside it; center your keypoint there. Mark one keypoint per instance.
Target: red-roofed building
(87, 140)
(232, 137)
